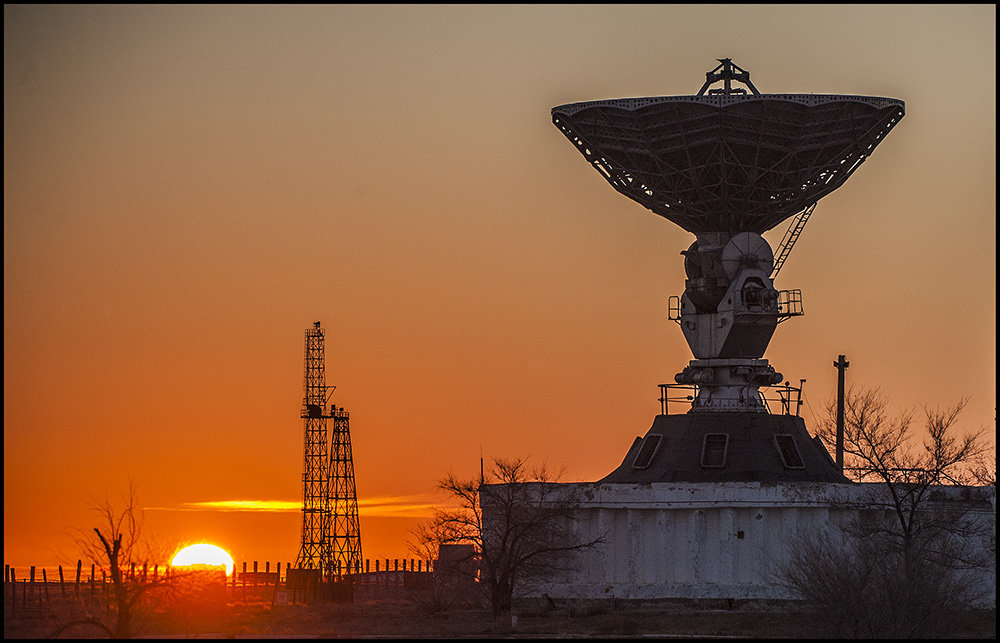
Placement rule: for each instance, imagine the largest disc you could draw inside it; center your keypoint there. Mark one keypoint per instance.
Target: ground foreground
(404, 619)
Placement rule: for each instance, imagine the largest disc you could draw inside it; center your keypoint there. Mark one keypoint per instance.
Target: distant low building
(456, 562)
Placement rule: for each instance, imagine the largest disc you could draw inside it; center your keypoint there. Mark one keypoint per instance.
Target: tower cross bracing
(345, 531)
(316, 472)
(331, 535)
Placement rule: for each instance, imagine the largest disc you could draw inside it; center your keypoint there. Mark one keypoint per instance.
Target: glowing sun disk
(203, 554)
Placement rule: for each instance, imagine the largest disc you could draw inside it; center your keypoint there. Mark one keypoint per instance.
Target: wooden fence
(36, 589)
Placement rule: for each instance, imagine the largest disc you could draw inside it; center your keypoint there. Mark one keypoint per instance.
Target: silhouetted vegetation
(119, 543)
(517, 525)
(909, 563)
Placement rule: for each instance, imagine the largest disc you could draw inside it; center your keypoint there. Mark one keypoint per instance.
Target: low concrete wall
(714, 540)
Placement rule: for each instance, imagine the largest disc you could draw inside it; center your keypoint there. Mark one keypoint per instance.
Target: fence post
(244, 581)
(32, 584)
(144, 573)
(62, 586)
(93, 580)
(156, 572)
(255, 573)
(13, 593)
(45, 584)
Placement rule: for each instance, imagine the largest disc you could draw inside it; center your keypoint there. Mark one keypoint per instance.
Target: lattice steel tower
(331, 535)
(314, 552)
(345, 531)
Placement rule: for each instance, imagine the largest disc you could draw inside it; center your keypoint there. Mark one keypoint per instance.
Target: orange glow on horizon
(388, 507)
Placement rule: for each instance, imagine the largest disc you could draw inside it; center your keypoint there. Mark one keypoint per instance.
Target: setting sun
(203, 554)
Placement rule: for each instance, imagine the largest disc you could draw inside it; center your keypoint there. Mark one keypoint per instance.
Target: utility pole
(841, 365)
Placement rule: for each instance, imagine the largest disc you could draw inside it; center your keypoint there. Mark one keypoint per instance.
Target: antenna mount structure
(727, 165)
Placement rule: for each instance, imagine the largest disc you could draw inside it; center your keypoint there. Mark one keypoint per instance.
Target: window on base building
(647, 451)
(789, 452)
(713, 450)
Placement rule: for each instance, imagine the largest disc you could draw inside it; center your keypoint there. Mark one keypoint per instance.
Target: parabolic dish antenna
(728, 164)
(728, 161)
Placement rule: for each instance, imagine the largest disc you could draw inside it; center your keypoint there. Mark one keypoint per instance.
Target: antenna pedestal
(728, 313)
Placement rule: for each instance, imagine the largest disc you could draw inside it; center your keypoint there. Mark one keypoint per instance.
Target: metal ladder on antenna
(791, 235)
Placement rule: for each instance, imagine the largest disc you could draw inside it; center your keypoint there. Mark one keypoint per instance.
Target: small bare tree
(901, 566)
(518, 523)
(881, 448)
(119, 543)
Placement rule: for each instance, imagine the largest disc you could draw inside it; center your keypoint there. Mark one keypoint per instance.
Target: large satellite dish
(728, 164)
(728, 160)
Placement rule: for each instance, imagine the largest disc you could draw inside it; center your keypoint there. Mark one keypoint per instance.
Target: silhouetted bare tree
(519, 524)
(884, 449)
(119, 544)
(901, 567)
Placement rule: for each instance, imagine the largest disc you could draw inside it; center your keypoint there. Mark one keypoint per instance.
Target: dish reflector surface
(728, 163)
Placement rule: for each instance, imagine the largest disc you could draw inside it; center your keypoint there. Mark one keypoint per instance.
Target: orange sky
(188, 188)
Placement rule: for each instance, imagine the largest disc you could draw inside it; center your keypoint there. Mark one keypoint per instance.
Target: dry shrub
(866, 589)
